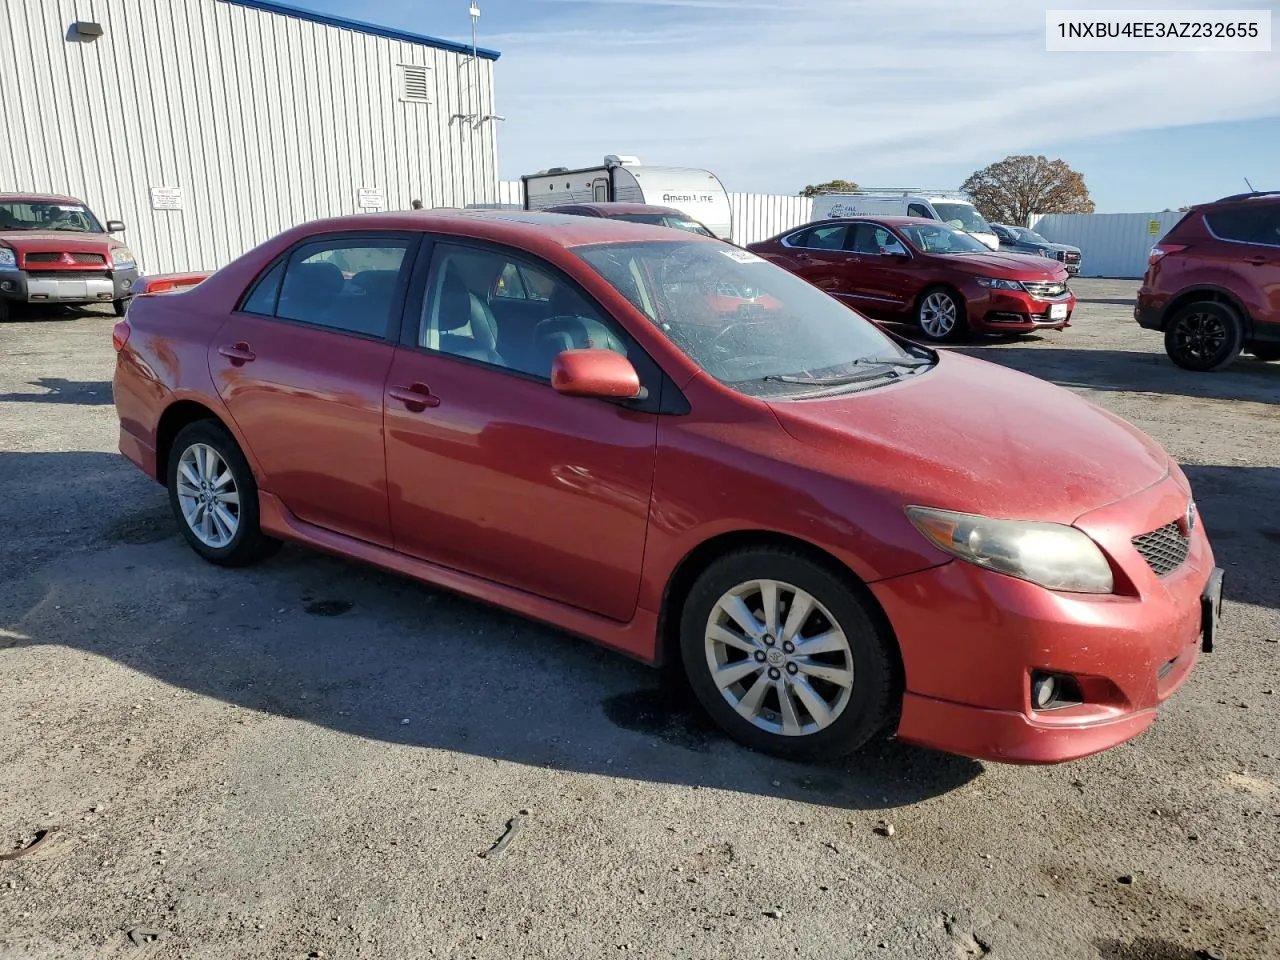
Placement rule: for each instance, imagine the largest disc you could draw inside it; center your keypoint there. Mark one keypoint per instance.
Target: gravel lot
(309, 758)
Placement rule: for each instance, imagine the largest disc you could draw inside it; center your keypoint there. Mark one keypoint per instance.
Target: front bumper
(996, 311)
(969, 681)
(70, 287)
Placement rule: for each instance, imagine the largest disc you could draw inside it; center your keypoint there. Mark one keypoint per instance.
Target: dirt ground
(310, 759)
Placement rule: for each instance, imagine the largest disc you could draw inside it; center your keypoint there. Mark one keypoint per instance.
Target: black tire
(120, 307)
(872, 701)
(959, 328)
(1267, 354)
(248, 544)
(1204, 336)
(6, 310)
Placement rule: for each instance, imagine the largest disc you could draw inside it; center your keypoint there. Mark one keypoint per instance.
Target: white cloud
(775, 95)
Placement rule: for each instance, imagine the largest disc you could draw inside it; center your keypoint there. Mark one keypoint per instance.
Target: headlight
(1050, 554)
(991, 283)
(7, 257)
(123, 257)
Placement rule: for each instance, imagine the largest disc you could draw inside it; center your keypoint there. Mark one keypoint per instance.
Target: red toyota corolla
(818, 519)
(927, 273)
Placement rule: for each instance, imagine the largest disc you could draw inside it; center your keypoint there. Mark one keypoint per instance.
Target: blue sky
(774, 94)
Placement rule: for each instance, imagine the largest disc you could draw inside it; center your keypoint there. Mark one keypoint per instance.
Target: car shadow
(1245, 541)
(59, 390)
(1133, 371)
(326, 641)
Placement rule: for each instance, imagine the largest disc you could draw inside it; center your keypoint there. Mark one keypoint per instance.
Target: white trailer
(698, 193)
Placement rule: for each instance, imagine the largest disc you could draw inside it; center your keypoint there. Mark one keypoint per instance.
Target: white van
(698, 193)
(952, 208)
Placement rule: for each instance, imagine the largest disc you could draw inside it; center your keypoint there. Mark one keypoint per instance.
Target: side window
(919, 210)
(524, 333)
(343, 284)
(887, 243)
(827, 238)
(263, 298)
(799, 239)
(1254, 223)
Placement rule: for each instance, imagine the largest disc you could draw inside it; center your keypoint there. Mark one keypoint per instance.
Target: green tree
(831, 186)
(1012, 189)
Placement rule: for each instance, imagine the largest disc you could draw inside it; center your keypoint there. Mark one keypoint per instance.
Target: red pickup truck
(53, 250)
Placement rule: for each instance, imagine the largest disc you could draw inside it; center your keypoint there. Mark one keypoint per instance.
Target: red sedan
(546, 412)
(926, 272)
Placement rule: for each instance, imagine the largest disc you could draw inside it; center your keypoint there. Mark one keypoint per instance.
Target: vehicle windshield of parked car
(750, 324)
(965, 214)
(665, 220)
(940, 238)
(1029, 236)
(48, 216)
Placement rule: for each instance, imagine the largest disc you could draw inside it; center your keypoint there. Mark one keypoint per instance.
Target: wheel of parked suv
(5, 310)
(120, 306)
(941, 316)
(214, 496)
(786, 656)
(1204, 336)
(1266, 354)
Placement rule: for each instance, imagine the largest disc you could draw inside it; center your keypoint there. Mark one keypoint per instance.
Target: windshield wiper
(895, 363)
(907, 363)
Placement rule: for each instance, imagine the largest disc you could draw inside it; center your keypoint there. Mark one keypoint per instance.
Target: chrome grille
(1044, 288)
(1164, 549)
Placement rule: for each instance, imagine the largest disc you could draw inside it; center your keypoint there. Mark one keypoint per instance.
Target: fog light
(1044, 690)
(7, 286)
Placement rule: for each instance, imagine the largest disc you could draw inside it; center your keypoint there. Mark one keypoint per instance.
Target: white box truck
(947, 206)
(699, 193)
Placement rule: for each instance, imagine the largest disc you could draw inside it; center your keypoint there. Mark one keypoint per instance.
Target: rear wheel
(214, 496)
(1265, 353)
(940, 315)
(1204, 336)
(786, 657)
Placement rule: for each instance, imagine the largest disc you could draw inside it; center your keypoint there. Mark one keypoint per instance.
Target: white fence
(1112, 244)
(756, 216)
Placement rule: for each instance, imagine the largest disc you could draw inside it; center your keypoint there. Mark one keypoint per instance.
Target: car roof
(516, 227)
(37, 198)
(884, 221)
(616, 206)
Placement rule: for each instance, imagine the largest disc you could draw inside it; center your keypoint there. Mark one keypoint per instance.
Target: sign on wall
(1153, 227)
(370, 198)
(166, 198)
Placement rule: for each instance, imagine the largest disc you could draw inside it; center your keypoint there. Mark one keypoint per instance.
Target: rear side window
(345, 284)
(821, 238)
(1247, 223)
(919, 210)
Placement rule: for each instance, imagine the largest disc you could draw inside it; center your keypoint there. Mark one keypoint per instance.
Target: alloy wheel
(938, 315)
(1200, 335)
(779, 658)
(208, 495)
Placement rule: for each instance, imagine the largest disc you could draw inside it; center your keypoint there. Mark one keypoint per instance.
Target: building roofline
(285, 10)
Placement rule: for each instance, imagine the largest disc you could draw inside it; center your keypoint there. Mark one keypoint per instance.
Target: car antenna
(1249, 185)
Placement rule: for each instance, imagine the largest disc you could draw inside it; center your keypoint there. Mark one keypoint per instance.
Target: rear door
(818, 255)
(1252, 256)
(301, 365)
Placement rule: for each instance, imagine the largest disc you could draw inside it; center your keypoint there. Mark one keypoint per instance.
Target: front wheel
(215, 497)
(1204, 336)
(941, 315)
(120, 307)
(786, 657)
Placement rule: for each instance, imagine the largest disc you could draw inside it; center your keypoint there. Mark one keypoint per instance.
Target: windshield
(746, 322)
(940, 238)
(1029, 236)
(665, 220)
(965, 214)
(42, 215)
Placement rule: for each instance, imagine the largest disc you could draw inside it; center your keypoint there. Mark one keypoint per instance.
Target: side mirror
(115, 226)
(595, 373)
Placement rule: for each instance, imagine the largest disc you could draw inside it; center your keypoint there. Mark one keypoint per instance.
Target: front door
(879, 274)
(302, 365)
(491, 471)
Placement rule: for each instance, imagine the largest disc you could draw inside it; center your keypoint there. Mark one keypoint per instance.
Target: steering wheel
(716, 343)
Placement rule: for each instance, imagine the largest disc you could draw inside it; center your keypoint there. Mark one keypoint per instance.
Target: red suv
(1213, 283)
(908, 268)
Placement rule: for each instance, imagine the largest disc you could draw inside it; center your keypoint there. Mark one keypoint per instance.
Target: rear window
(1247, 223)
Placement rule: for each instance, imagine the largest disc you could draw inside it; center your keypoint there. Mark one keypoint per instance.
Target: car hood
(1007, 266)
(976, 437)
(56, 241)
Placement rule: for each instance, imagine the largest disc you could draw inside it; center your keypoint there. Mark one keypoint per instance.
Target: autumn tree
(1012, 189)
(831, 186)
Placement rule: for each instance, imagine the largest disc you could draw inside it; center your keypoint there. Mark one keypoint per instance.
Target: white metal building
(1111, 244)
(208, 126)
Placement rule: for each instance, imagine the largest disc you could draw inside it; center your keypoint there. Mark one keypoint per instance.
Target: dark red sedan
(557, 415)
(922, 271)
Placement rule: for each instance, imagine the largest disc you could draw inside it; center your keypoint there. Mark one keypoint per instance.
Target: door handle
(238, 353)
(416, 398)
(1256, 261)
(803, 257)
